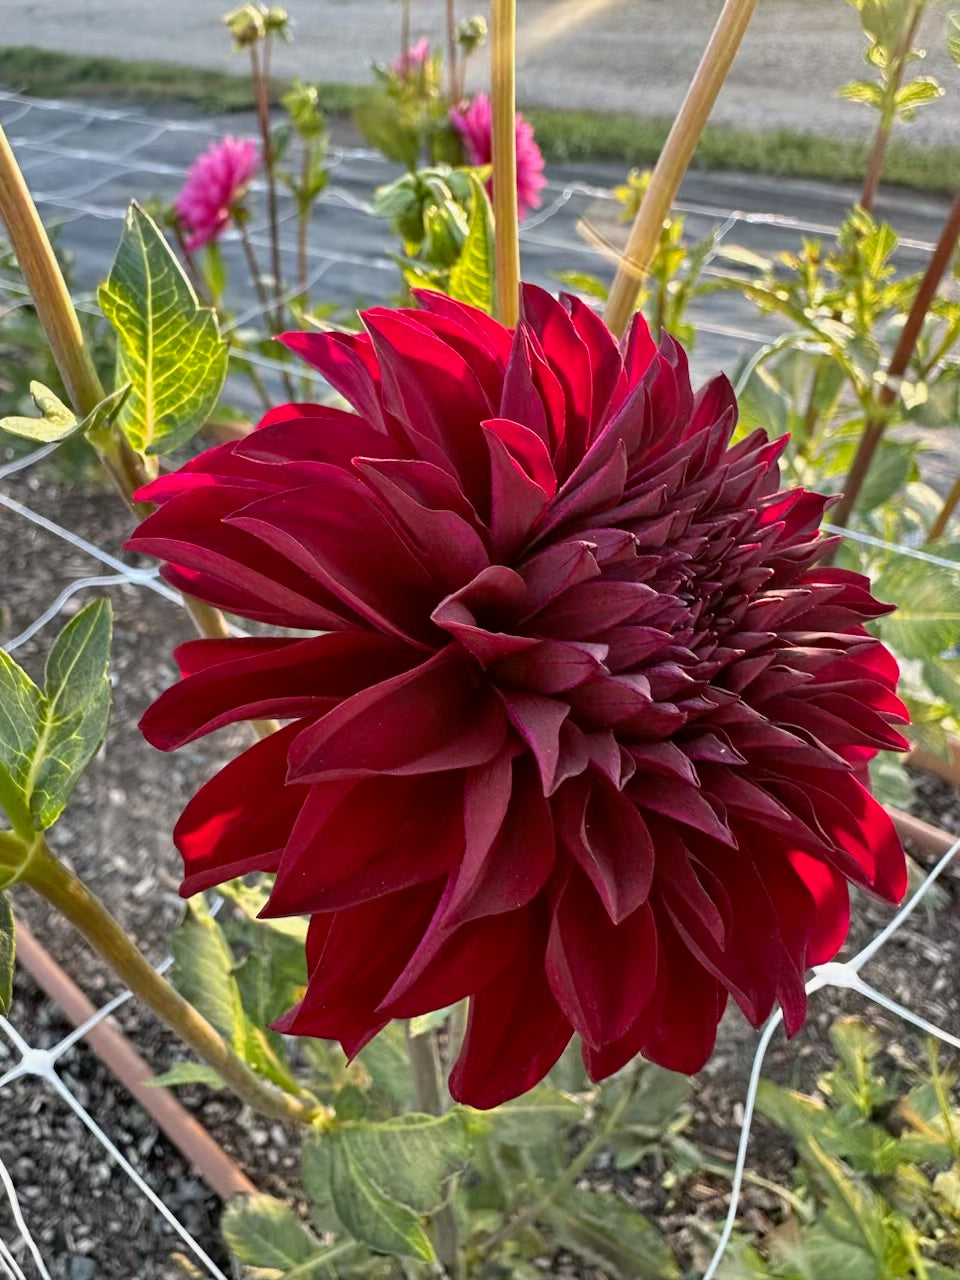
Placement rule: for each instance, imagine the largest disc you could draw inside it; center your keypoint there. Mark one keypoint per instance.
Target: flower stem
(888, 114)
(674, 160)
(424, 1053)
(950, 504)
(452, 76)
(261, 86)
(62, 889)
(503, 74)
(877, 419)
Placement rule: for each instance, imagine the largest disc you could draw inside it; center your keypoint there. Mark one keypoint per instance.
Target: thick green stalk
(674, 160)
(503, 74)
(47, 876)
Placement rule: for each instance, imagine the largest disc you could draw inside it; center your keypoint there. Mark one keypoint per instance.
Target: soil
(89, 1220)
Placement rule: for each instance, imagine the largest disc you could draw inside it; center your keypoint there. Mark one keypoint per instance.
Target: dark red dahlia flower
(582, 733)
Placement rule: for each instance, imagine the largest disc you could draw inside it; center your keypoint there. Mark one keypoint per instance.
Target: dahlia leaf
(927, 620)
(410, 1157)
(55, 423)
(387, 1061)
(7, 953)
(170, 349)
(182, 1073)
(48, 738)
(535, 1117)
(472, 275)
(266, 1233)
(608, 1232)
(372, 1217)
(204, 974)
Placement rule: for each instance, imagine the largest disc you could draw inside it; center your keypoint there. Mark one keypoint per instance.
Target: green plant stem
(424, 1053)
(261, 86)
(452, 77)
(878, 153)
(303, 222)
(675, 159)
(404, 31)
(48, 877)
(569, 1176)
(503, 72)
(950, 504)
(899, 362)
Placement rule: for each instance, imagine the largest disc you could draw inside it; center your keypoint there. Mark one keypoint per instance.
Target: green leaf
(203, 973)
(534, 1117)
(953, 36)
(865, 91)
(47, 739)
(76, 711)
(55, 424)
(411, 1158)
(583, 282)
(188, 1073)
(7, 953)
(927, 596)
(613, 1235)
(264, 1232)
(388, 1062)
(370, 1216)
(916, 93)
(169, 347)
(472, 275)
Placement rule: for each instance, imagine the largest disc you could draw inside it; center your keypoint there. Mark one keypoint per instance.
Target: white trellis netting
(83, 164)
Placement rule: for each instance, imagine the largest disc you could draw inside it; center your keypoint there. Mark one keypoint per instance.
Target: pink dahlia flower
(577, 724)
(474, 123)
(412, 59)
(216, 181)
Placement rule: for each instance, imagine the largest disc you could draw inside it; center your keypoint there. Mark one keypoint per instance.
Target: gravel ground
(89, 1220)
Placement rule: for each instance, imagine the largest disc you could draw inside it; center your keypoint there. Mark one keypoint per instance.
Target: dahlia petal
(609, 839)
(606, 363)
(434, 718)
(224, 562)
(240, 820)
(684, 804)
(551, 572)
(515, 1033)
(520, 400)
(551, 666)
(602, 974)
(449, 548)
(538, 720)
(639, 349)
(830, 922)
(516, 501)
(353, 841)
(451, 964)
(569, 359)
(357, 953)
(478, 323)
(284, 678)
(348, 363)
(510, 848)
(678, 1028)
(336, 532)
(305, 433)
